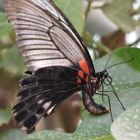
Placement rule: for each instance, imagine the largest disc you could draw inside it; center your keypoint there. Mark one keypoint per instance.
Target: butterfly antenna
(127, 61)
(110, 55)
(108, 60)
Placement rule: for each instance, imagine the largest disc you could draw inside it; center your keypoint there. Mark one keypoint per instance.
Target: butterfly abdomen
(91, 105)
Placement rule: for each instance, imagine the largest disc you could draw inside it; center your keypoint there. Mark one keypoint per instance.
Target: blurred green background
(106, 26)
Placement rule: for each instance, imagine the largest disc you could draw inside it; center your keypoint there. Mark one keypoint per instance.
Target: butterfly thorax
(99, 79)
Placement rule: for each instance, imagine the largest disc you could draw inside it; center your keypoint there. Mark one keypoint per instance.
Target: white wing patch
(50, 110)
(46, 105)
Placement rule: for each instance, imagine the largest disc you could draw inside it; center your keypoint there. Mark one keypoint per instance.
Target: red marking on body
(84, 66)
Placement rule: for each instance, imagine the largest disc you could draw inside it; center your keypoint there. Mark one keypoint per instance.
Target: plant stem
(88, 8)
(103, 48)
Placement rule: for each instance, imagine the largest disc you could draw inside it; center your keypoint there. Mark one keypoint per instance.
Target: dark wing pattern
(44, 36)
(42, 93)
(54, 53)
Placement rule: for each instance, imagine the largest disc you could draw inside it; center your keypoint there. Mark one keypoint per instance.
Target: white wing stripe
(31, 42)
(47, 53)
(33, 32)
(38, 47)
(49, 7)
(42, 57)
(70, 51)
(32, 36)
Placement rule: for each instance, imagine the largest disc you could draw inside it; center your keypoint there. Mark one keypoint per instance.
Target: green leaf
(12, 135)
(12, 62)
(127, 126)
(105, 138)
(74, 11)
(120, 13)
(125, 77)
(5, 27)
(93, 126)
(49, 135)
(5, 116)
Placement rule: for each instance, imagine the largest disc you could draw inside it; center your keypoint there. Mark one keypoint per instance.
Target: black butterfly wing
(53, 51)
(44, 36)
(42, 93)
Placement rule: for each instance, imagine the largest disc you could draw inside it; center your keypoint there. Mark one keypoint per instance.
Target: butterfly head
(100, 79)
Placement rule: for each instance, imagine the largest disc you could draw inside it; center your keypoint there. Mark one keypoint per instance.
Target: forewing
(44, 36)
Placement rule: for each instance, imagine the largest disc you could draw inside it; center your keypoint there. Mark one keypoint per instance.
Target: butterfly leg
(110, 109)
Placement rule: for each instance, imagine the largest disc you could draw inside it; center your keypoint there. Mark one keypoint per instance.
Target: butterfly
(57, 59)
